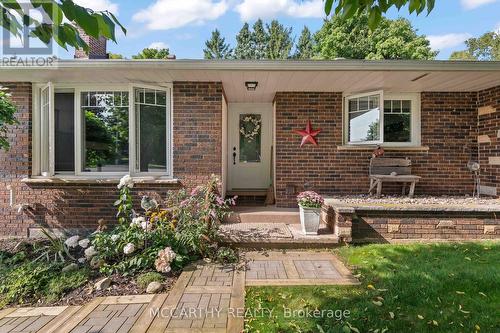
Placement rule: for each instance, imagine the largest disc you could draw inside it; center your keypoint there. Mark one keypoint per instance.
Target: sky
(184, 25)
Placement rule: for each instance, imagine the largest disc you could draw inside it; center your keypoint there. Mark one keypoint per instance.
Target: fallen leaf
(477, 327)
(377, 303)
(370, 286)
(391, 314)
(382, 289)
(467, 258)
(460, 292)
(435, 323)
(482, 294)
(462, 310)
(420, 317)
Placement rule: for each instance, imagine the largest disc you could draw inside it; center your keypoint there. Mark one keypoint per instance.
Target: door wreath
(250, 127)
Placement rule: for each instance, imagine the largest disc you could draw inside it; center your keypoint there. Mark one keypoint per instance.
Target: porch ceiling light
(251, 85)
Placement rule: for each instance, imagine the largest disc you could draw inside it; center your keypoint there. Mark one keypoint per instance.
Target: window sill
(389, 148)
(97, 180)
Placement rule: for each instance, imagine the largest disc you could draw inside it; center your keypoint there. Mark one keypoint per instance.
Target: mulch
(120, 286)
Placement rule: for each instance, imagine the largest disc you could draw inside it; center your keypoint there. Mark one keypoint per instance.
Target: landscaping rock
(103, 284)
(69, 268)
(154, 287)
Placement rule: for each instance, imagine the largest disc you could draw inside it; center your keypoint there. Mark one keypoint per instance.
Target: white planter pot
(309, 219)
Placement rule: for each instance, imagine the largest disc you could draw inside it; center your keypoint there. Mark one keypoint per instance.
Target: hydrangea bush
(310, 199)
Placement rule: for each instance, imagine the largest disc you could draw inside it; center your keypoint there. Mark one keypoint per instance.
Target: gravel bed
(417, 200)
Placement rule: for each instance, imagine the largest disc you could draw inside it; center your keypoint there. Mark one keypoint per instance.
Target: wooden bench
(391, 170)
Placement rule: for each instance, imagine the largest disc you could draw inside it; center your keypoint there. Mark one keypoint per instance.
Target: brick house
(85, 123)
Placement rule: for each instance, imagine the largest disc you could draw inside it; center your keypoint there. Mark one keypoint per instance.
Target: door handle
(234, 155)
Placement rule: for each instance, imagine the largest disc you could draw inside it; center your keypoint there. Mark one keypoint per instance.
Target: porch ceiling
(273, 76)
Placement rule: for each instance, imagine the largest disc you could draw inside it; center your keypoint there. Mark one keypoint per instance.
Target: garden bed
(144, 252)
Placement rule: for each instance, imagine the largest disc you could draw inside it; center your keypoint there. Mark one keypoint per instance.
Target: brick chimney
(97, 47)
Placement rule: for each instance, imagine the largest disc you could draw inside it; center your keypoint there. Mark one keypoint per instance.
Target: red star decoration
(308, 135)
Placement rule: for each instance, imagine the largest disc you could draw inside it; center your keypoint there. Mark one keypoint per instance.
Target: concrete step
(264, 215)
(275, 235)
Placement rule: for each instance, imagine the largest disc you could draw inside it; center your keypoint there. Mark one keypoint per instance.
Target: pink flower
(195, 191)
(310, 199)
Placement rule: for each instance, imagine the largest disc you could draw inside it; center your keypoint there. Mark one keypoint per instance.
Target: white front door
(249, 145)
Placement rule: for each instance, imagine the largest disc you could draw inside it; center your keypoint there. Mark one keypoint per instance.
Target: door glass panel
(64, 118)
(250, 138)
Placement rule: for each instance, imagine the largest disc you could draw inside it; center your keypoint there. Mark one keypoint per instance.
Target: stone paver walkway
(206, 298)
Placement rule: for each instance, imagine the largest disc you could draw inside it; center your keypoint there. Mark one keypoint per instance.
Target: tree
(7, 111)
(259, 40)
(485, 47)
(243, 48)
(351, 38)
(374, 8)
(65, 16)
(216, 47)
(152, 53)
(305, 45)
(115, 56)
(279, 43)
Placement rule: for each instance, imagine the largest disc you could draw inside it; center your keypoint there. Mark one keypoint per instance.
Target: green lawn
(404, 288)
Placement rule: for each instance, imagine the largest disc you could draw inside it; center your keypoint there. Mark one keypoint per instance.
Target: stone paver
(29, 319)
(112, 318)
(295, 268)
(206, 298)
(316, 269)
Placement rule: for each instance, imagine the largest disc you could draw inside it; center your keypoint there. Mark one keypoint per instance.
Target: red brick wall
(448, 123)
(489, 125)
(197, 154)
(97, 47)
(16, 163)
(197, 131)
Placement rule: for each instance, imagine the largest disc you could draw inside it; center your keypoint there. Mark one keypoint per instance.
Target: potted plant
(310, 208)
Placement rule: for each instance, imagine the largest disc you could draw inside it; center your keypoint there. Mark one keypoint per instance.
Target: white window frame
(415, 128)
(38, 131)
(415, 123)
(133, 130)
(381, 117)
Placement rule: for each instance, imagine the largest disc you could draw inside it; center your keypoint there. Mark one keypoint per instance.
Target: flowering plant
(310, 199)
(164, 239)
(124, 203)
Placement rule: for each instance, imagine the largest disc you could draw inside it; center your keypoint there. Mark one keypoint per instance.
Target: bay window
(102, 131)
(391, 119)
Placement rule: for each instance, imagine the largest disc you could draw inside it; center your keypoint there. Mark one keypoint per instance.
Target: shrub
(187, 227)
(26, 281)
(144, 279)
